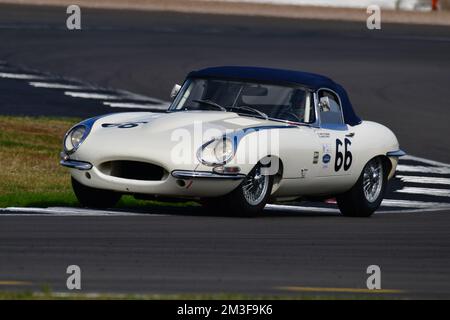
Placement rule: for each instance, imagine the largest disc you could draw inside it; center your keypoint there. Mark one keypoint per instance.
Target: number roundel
(343, 159)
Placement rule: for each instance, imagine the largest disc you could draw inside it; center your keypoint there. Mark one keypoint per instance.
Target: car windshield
(278, 102)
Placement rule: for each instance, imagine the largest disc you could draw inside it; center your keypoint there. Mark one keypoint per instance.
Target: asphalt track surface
(398, 76)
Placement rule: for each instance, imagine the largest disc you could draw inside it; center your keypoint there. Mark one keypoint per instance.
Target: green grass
(29, 155)
(30, 174)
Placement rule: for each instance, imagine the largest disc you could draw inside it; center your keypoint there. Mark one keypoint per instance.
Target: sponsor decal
(326, 158)
(326, 148)
(316, 157)
(323, 135)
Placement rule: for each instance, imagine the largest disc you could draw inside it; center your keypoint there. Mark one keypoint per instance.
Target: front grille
(134, 170)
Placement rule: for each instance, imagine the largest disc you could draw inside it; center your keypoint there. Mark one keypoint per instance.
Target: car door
(336, 141)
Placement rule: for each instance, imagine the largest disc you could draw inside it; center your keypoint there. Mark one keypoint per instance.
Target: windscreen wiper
(250, 109)
(211, 103)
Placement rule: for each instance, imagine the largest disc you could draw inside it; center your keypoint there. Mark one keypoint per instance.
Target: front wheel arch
(277, 175)
(239, 201)
(94, 198)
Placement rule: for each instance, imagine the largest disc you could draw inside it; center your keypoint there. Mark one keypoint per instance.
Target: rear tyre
(249, 199)
(365, 197)
(94, 198)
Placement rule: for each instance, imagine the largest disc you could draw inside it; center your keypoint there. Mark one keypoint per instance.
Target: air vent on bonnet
(134, 170)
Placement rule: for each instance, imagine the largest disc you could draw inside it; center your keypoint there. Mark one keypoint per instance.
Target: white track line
(88, 95)
(48, 85)
(74, 212)
(422, 210)
(135, 105)
(140, 97)
(427, 180)
(386, 203)
(417, 207)
(426, 191)
(423, 169)
(20, 76)
(274, 207)
(413, 204)
(426, 161)
(420, 207)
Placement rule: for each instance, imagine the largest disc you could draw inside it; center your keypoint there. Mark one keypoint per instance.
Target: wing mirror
(176, 88)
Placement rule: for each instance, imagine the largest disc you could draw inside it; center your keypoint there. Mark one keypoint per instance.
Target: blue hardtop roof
(305, 79)
(310, 80)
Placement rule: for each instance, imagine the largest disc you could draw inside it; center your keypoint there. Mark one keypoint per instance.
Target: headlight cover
(77, 134)
(75, 137)
(218, 151)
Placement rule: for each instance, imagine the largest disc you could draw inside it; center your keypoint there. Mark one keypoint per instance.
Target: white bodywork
(303, 149)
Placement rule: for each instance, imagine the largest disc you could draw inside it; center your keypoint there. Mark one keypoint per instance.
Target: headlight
(74, 138)
(217, 151)
(223, 150)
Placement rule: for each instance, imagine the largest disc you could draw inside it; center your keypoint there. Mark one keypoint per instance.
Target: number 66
(343, 159)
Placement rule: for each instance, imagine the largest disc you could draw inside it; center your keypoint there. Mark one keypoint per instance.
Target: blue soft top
(305, 79)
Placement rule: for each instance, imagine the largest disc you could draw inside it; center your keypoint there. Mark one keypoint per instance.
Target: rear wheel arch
(391, 165)
(387, 164)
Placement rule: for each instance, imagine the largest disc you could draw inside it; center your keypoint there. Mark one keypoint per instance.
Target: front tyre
(365, 197)
(94, 198)
(249, 199)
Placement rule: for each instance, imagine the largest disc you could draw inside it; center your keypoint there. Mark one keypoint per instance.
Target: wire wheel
(373, 180)
(255, 187)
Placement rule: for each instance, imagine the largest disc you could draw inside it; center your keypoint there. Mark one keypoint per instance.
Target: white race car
(236, 138)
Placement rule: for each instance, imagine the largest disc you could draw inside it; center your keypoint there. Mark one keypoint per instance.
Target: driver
(296, 110)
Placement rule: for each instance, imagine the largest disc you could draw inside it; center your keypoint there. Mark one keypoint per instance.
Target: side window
(300, 107)
(329, 108)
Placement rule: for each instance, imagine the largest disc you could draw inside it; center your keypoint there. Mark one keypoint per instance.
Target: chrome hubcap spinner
(255, 187)
(373, 180)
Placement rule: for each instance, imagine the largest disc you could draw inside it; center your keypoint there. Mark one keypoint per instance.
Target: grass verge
(29, 155)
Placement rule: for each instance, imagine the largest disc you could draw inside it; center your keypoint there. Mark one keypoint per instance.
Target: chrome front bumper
(178, 174)
(188, 175)
(201, 181)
